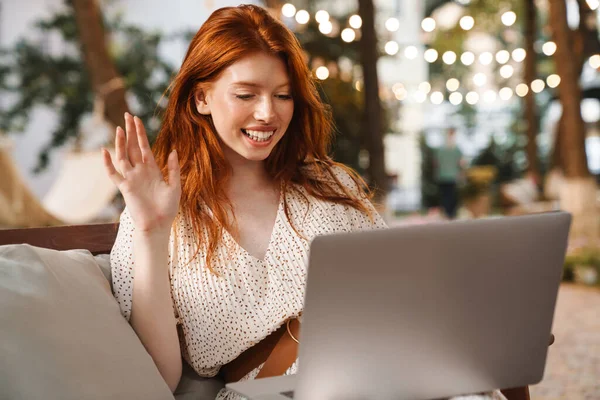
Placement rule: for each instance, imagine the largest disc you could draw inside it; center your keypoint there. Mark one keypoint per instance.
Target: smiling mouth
(258, 136)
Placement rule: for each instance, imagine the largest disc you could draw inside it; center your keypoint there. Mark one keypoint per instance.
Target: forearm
(152, 311)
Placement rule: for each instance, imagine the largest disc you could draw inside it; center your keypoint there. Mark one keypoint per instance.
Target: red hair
(228, 35)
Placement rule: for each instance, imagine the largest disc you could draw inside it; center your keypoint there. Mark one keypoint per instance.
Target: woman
(220, 214)
(223, 240)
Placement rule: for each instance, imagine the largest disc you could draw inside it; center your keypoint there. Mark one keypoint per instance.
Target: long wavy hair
(228, 35)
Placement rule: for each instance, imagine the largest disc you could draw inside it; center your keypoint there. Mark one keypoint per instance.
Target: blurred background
(448, 108)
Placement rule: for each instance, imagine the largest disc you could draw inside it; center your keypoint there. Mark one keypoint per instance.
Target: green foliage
(31, 76)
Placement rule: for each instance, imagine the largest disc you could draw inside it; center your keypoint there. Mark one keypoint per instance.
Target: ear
(201, 102)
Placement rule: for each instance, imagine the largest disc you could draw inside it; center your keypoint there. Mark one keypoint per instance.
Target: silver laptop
(427, 311)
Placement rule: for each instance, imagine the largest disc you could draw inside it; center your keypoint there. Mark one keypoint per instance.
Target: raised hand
(152, 202)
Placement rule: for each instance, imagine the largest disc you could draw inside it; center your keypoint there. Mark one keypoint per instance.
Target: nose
(265, 110)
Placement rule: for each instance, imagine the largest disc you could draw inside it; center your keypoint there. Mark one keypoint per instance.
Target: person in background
(448, 169)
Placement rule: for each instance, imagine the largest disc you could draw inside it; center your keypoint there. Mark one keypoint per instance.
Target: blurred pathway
(573, 364)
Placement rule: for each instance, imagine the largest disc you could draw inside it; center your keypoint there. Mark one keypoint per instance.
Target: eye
(244, 96)
(284, 97)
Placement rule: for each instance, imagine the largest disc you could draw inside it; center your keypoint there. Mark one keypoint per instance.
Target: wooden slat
(98, 238)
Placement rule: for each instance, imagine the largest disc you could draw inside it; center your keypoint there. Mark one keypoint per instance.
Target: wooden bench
(99, 239)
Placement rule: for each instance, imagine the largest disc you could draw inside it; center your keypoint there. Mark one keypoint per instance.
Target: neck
(246, 173)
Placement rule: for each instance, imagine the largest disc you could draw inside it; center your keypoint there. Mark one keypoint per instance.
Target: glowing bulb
(486, 58)
(437, 98)
(428, 24)
(549, 48)
(538, 85)
(325, 27)
(425, 87)
(321, 16)
(449, 57)
(401, 94)
(456, 98)
(595, 61)
(472, 98)
(467, 58)
(467, 22)
(288, 10)
(593, 4)
(302, 17)
(348, 35)
(506, 71)
(502, 57)
(453, 84)
(553, 80)
(519, 54)
(479, 79)
(430, 55)
(509, 18)
(391, 47)
(411, 52)
(322, 73)
(521, 90)
(506, 93)
(392, 24)
(355, 21)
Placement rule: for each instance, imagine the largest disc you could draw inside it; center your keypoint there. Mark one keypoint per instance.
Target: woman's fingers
(174, 174)
(113, 174)
(142, 138)
(121, 149)
(133, 147)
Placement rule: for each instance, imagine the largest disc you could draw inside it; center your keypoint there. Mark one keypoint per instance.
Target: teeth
(259, 136)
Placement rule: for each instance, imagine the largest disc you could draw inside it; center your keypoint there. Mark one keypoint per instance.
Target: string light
(322, 73)
(506, 93)
(519, 54)
(455, 98)
(321, 16)
(325, 27)
(479, 79)
(486, 58)
(348, 35)
(391, 48)
(472, 98)
(467, 58)
(593, 4)
(437, 98)
(355, 21)
(506, 71)
(595, 61)
(425, 87)
(430, 55)
(428, 24)
(553, 80)
(453, 84)
(411, 52)
(549, 48)
(522, 90)
(467, 22)
(449, 57)
(509, 18)
(538, 85)
(401, 94)
(502, 57)
(288, 10)
(392, 24)
(302, 17)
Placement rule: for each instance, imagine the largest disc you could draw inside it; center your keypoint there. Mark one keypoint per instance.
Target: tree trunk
(372, 128)
(106, 81)
(531, 115)
(578, 193)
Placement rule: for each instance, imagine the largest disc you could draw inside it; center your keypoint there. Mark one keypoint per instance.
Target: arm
(141, 254)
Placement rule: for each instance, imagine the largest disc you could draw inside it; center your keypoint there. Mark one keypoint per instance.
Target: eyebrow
(253, 84)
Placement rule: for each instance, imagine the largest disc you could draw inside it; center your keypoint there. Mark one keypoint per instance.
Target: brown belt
(278, 351)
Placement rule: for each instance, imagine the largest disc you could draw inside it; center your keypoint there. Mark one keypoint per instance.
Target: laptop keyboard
(289, 394)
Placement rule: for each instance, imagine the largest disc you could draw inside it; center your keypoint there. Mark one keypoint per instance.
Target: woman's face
(251, 105)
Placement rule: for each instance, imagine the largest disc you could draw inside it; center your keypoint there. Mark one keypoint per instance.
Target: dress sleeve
(359, 220)
(122, 264)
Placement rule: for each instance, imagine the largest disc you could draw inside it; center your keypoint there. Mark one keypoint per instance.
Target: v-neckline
(271, 237)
